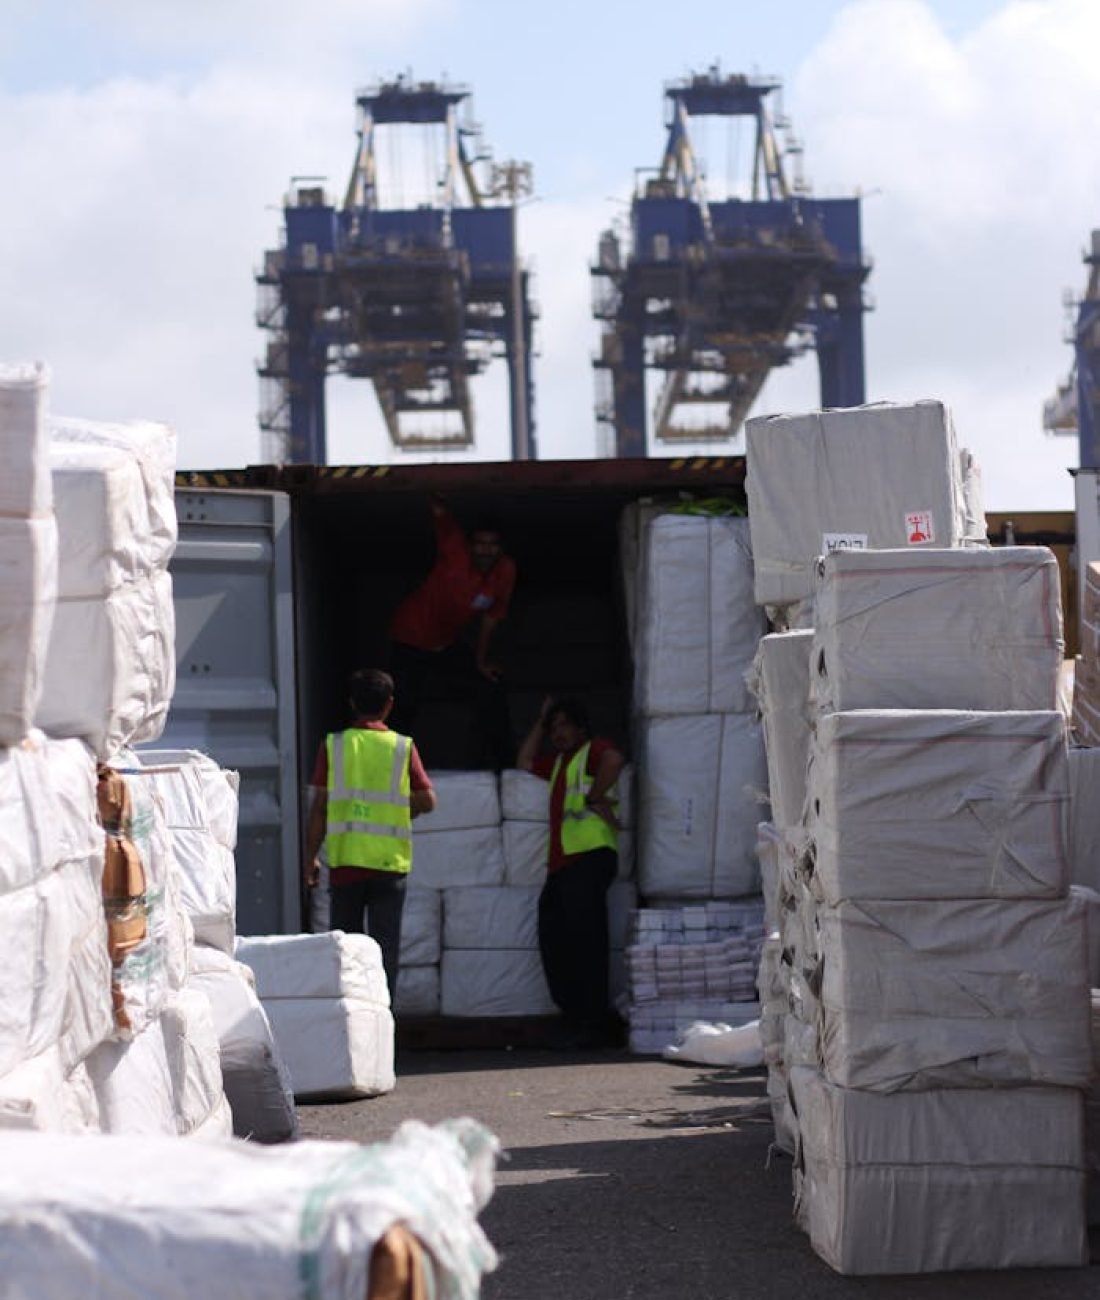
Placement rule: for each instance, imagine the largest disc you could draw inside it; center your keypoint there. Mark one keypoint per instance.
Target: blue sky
(147, 149)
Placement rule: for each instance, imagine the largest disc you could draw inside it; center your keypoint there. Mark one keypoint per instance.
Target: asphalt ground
(631, 1177)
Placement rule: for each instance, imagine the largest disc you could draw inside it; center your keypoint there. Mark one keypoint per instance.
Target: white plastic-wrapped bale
(491, 917)
(417, 991)
(939, 804)
(498, 982)
(28, 598)
(702, 783)
(465, 800)
(148, 1216)
(954, 994)
(780, 680)
(133, 1084)
(40, 1094)
(330, 965)
(944, 1180)
(698, 626)
(254, 1074)
(1084, 817)
(468, 857)
(869, 477)
(633, 524)
(194, 1064)
(25, 487)
(421, 926)
(938, 629)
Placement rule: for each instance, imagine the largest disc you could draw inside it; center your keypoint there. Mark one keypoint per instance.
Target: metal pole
(513, 180)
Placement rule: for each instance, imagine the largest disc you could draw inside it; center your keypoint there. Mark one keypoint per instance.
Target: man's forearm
(315, 832)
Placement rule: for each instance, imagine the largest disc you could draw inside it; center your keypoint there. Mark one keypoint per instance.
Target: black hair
(370, 690)
(571, 708)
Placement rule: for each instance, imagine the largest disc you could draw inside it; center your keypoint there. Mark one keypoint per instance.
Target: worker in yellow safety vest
(368, 784)
(582, 861)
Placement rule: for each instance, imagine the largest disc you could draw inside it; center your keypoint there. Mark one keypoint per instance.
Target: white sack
(417, 991)
(941, 1180)
(153, 447)
(938, 629)
(421, 926)
(196, 792)
(133, 1084)
(954, 994)
(25, 484)
(208, 886)
(41, 1095)
(218, 1125)
(700, 779)
(697, 625)
(28, 596)
(254, 1074)
(334, 1046)
(1084, 817)
(470, 857)
(142, 1217)
(738, 1048)
(491, 917)
(194, 1059)
(780, 680)
(868, 476)
(909, 804)
(329, 965)
(464, 800)
(111, 668)
(504, 983)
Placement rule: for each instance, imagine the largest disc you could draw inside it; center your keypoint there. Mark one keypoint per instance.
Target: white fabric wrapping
(194, 1059)
(464, 800)
(954, 994)
(1084, 811)
(633, 524)
(208, 886)
(102, 520)
(133, 1084)
(329, 965)
(28, 596)
(856, 474)
(421, 926)
(417, 991)
(491, 917)
(973, 495)
(938, 629)
(470, 857)
(41, 1096)
(525, 849)
(494, 983)
(196, 792)
(938, 1181)
(780, 680)
(111, 668)
(218, 1125)
(939, 804)
(700, 784)
(254, 1074)
(697, 626)
(153, 447)
(159, 1217)
(334, 1046)
(1090, 900)
(25, 483)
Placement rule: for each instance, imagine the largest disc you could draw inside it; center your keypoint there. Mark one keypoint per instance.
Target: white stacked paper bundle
(868, 477)
(155, 1216)
(254, 1074)
(944, 804)
(938, 629)
(933, 1181)
(698, 626)
(954, 994)
(329, 1006)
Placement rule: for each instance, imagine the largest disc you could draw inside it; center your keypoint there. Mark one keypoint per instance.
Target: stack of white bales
(699, 751)
(943, 1038)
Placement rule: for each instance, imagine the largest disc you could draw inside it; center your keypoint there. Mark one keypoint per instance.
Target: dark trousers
(414, 670)
(382, 897)
(573, 934)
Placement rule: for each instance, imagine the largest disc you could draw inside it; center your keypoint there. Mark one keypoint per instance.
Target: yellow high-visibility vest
(582, 829)
(369, 823)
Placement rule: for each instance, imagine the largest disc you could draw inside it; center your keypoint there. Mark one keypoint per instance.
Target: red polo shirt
(433, 616)
(544, 766)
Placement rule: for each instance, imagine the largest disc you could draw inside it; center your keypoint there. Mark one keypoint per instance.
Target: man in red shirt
(377, 892)
(582, 861)
(470, 579)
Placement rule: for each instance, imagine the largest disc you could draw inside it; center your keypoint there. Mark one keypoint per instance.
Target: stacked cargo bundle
(945, 987)
(1086, 669)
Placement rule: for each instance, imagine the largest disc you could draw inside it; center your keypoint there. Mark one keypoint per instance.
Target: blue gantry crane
(711, 294)
(417, 299)
(1075, 407)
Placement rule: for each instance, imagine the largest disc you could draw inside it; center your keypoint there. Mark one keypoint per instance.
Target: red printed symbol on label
(918, 528)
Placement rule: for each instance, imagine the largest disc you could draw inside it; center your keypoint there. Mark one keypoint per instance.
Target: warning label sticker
(843, 542)
(919, 528)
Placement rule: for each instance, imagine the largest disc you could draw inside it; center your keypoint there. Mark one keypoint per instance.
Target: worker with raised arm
(582, 861)
(472, 579)
(368, 784)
